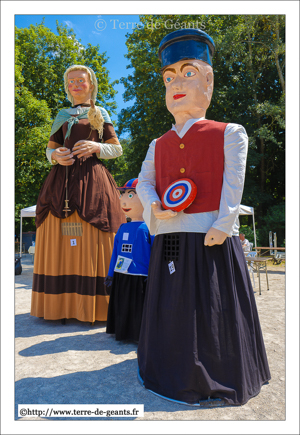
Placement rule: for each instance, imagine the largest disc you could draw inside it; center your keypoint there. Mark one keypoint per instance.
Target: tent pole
(21, 236)
(254, 231)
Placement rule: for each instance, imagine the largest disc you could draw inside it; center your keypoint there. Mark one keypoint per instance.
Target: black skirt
(126, 306)
(200, 335)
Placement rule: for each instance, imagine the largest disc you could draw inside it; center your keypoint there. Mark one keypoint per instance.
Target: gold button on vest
(182, 170)
(181, 146)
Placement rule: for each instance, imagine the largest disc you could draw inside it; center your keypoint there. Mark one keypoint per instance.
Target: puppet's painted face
(131, 204)
(189, 86)
(80, 86)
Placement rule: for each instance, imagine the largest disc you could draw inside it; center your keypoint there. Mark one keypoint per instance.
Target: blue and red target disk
(179, 195)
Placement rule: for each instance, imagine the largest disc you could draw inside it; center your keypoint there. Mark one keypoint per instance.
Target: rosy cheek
(83, 85)
(70, 86)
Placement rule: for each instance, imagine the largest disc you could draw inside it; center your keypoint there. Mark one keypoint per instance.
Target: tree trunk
(262, 144)
(281, 78)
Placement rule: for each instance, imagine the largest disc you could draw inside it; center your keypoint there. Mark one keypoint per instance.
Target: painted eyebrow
(131, 191)
(188, 64)
(169, 69)
(77, 78)
(181, 68)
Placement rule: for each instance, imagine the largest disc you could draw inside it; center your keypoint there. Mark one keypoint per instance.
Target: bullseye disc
(179, 195)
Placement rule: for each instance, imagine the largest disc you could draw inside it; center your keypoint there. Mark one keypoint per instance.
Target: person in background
(78, 210)
(245, 243)
(128, 269)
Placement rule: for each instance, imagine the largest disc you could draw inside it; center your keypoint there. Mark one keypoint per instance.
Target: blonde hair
(96, 120)
(92, 78)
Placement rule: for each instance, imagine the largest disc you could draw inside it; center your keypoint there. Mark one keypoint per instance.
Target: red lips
(126, 209)
(177, 96)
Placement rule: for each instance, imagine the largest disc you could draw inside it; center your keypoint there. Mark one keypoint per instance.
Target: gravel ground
(78, 363)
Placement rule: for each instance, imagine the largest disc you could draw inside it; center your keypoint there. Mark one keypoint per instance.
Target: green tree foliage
(41, 58)
(32, 131)
(44, 57)
(249, 234)
(249, 90)
(275, 218)
(148, 118)
(119, 167)
(251, 55)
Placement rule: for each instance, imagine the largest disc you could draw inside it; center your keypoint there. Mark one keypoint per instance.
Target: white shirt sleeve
(235, 156)
(49, 152)
(110, 151)
(146, 187)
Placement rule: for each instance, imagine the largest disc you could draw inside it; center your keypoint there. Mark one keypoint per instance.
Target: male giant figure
(200, 334)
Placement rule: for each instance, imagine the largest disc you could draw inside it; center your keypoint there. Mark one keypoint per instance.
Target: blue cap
(186, 44)
(131, 184)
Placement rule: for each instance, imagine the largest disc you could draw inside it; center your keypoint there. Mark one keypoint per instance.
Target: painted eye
(71, 82)
(168, 79)
(130, 195)
(189, 74)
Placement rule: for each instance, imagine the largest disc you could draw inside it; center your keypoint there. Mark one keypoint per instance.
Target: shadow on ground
(117, 384)
(94, 342)
(24, 286)
(275, 272)
(30, 326)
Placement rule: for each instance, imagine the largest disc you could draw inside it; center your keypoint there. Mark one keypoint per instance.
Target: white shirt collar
(76, 110)
(186, 126)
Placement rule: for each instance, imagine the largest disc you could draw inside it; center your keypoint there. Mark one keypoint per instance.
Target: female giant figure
(78, 209)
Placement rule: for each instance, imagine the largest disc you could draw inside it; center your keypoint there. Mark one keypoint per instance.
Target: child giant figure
(128, 268)
(200, 334)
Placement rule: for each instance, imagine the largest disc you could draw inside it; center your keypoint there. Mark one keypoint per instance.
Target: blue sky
(109, 31)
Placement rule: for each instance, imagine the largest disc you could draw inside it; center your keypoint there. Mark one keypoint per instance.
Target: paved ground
(78, 363)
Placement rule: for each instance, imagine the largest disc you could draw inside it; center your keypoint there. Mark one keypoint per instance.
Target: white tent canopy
(244, 209)
(30, 212)
(25, 212)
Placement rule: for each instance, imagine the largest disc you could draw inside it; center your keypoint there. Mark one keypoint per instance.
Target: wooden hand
(63, 156)
(214, 237)
(159, 213)
(85, 148)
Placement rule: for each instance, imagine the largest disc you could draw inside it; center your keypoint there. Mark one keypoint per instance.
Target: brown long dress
(73, 254)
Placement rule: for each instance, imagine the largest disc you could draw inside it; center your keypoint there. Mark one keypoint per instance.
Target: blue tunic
(132, 242)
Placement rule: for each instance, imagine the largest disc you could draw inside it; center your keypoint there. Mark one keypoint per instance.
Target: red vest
(199, 155)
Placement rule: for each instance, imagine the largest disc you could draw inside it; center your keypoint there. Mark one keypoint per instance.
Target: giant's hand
(63, 156)
(85, 148)
(160, 213)
(108, 281)
(214, 237)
